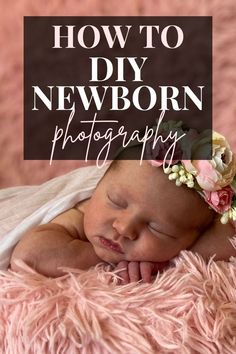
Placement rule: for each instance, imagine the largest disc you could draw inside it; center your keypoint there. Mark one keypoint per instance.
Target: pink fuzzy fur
(232, 240)
(190, 308)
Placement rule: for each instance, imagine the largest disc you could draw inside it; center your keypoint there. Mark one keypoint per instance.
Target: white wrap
(22, 208)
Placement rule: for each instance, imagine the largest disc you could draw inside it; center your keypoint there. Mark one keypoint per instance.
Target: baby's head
(137, 214)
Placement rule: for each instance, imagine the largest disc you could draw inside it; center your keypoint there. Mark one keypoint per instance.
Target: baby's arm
(216, 240)
(56, 244)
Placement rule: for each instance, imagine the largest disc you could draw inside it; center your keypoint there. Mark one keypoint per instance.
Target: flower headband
(213, 179)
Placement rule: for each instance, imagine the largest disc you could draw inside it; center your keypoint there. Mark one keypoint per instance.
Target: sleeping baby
(139, 217)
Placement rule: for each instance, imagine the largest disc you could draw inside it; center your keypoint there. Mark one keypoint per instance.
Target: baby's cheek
(91, 216)
(97, 224)
(157, 250)
(188, 240)
(89, 227)
(145, 251)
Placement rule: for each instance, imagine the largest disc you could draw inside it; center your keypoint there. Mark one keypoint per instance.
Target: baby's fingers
(122, 271)
(134, 271)
(129, 272)
(146, 270)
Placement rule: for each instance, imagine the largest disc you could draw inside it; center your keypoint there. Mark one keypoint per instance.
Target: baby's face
(137, 214)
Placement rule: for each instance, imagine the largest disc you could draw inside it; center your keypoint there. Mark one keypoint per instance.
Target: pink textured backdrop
(15, 171)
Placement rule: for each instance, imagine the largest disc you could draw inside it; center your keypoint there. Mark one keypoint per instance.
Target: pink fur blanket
(189, 308)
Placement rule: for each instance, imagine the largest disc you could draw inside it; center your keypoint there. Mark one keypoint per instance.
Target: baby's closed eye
(117, 200)
(157, 229)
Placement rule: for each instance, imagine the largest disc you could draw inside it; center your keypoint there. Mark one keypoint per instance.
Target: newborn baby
(136, 218)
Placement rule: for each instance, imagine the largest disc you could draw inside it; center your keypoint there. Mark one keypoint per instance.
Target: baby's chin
(109, 256)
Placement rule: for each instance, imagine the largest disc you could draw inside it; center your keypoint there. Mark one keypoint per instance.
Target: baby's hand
(135, 271)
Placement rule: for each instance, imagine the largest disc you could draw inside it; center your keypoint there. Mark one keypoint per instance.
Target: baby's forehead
(150, 184)
(142, 172)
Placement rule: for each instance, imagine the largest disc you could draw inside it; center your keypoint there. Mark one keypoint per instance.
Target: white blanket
(21, 208)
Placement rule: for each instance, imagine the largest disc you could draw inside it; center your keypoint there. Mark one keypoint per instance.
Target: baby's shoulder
(72, 221)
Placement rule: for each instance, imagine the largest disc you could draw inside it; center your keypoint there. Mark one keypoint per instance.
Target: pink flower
(204, 172)
(218, 172)
(220, 200)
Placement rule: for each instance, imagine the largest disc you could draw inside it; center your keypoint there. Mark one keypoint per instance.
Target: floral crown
(213, 179)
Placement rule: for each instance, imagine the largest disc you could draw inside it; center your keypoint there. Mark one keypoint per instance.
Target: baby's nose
(126, 227)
